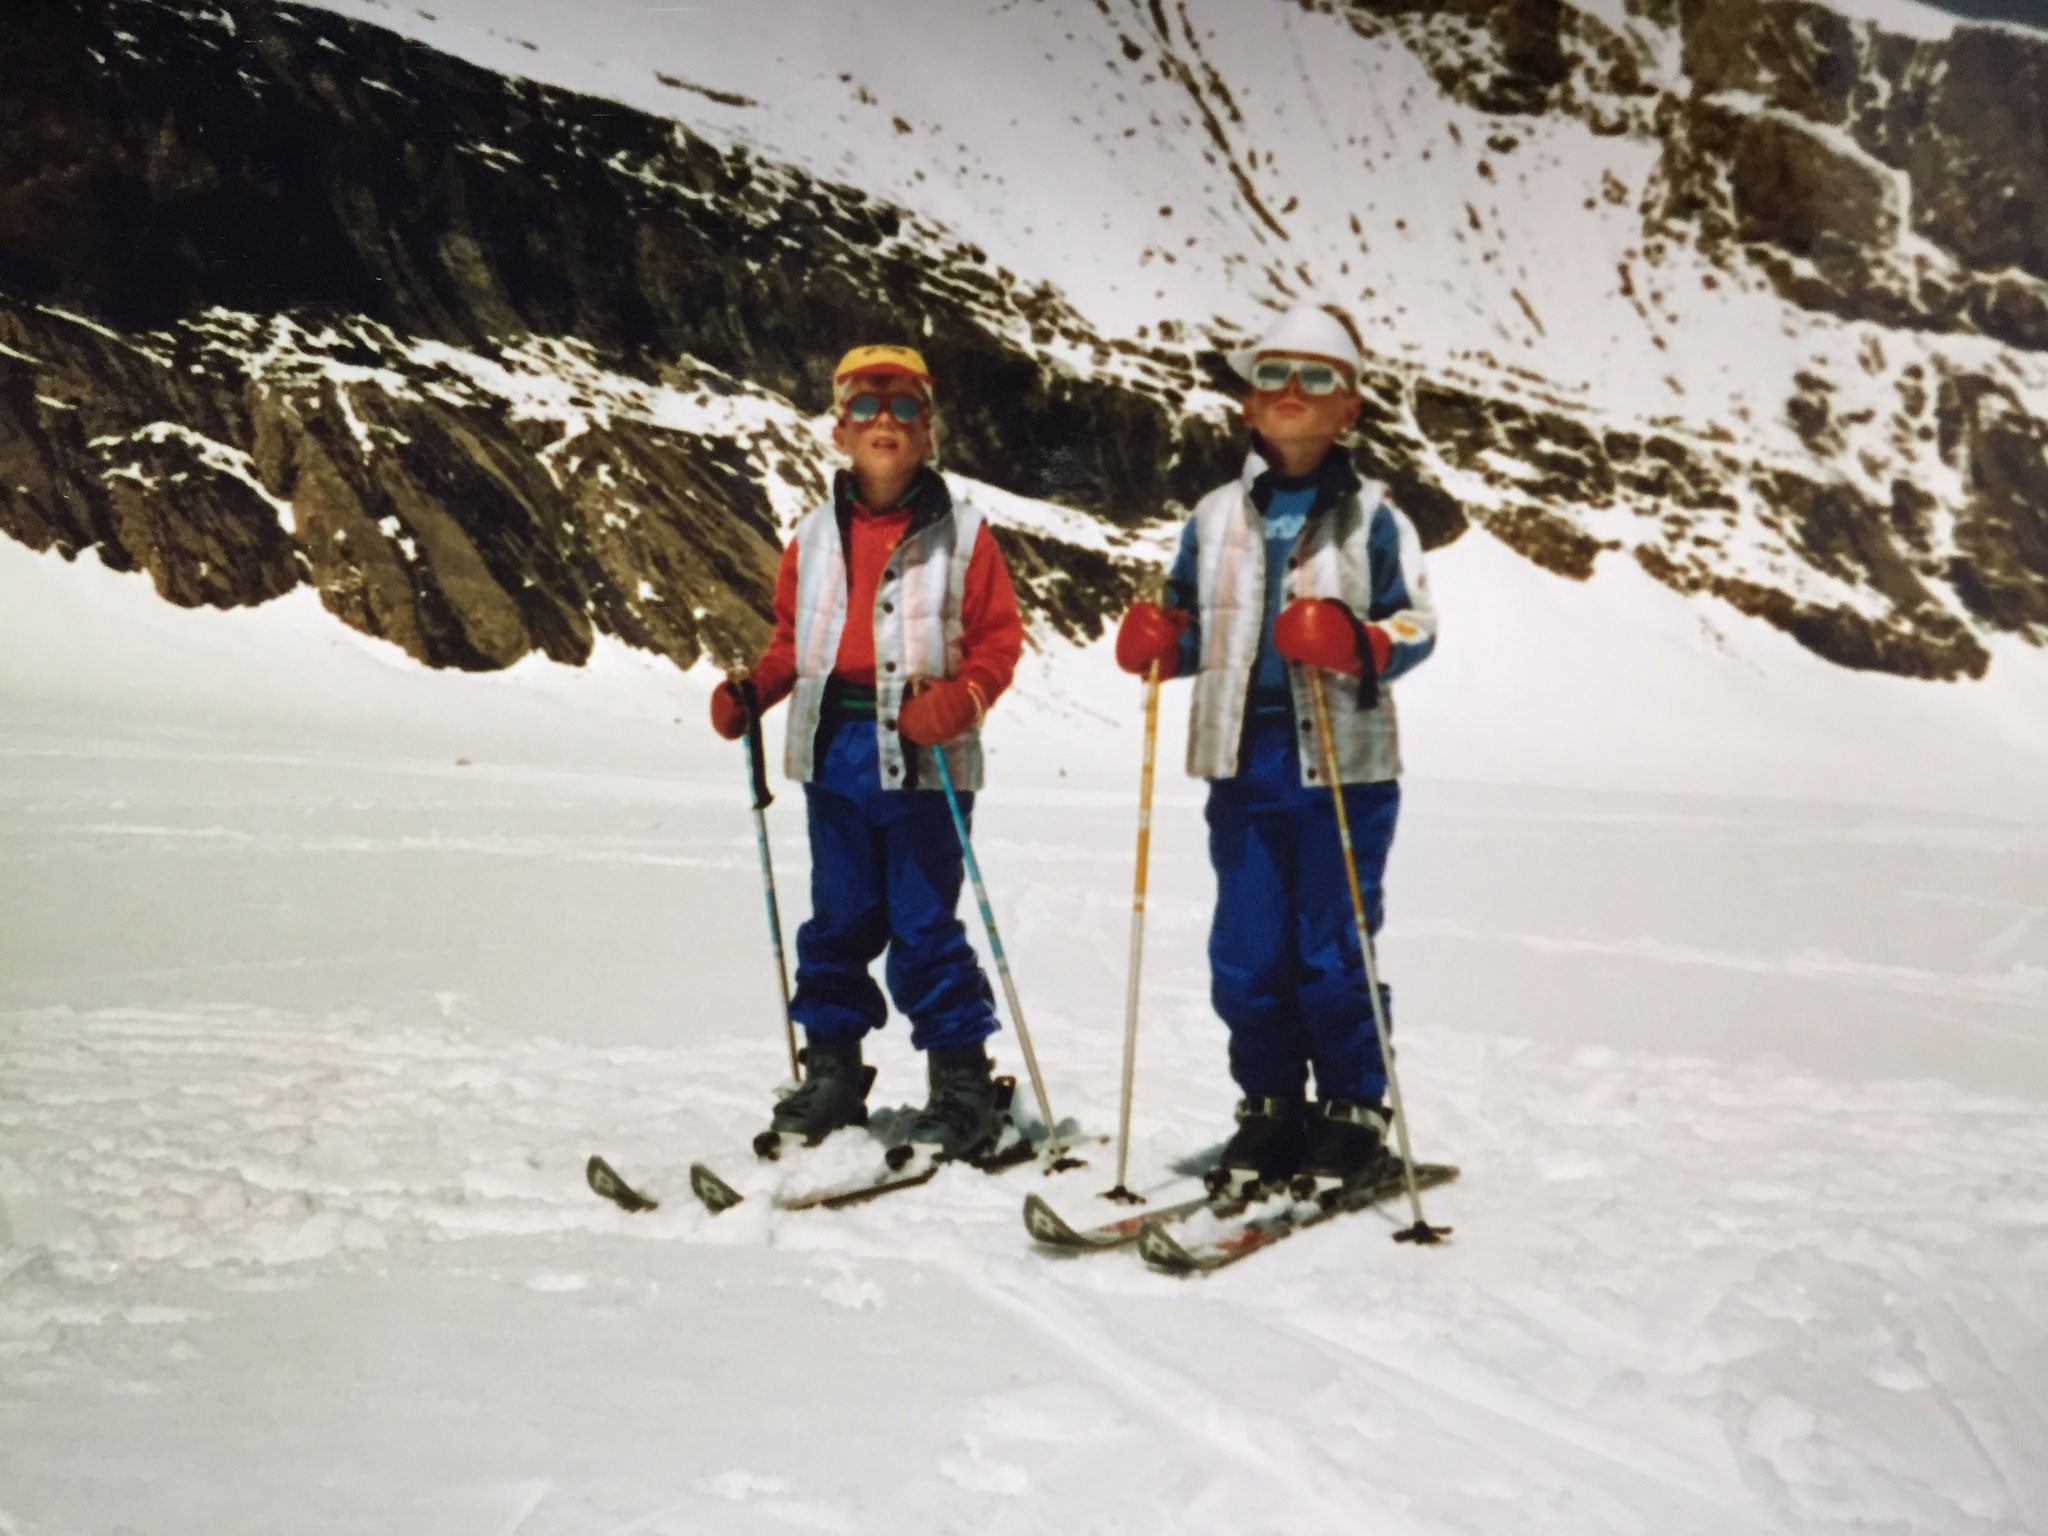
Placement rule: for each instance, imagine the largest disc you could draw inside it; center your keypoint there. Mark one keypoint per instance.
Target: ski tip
(604, 1180)
(708, 1187)
(1162, 1251)
(1046, 1224)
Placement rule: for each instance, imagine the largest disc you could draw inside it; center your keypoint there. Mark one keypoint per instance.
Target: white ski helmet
(1308, 330)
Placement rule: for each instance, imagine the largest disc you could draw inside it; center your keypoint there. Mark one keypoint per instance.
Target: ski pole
(1056, 1161)
(757, 767)
(1122, 1191)
(1326, 741)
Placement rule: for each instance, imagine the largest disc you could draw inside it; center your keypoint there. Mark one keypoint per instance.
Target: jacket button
(889, 724)
(888, 607)
(895, 772)
(888, 666)
(1307, 726)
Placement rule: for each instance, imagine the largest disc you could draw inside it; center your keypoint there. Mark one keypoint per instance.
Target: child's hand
(945, 709)
(1147, 634)
(729, 710)
(1322, 632)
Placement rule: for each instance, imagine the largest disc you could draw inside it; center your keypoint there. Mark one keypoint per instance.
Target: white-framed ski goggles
(1270, 375)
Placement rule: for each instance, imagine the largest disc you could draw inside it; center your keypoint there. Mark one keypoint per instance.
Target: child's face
(884, 450)
(1290, 417)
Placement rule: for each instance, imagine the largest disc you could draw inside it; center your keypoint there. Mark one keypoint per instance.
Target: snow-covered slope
(321, 973)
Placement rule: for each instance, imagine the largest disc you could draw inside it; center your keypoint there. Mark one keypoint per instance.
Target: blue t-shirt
(1285, 514)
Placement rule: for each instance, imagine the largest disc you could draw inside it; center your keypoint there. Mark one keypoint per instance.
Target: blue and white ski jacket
(1352, 545)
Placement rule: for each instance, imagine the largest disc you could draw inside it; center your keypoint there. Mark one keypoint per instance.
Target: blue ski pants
(1286, 976)
(886, 870)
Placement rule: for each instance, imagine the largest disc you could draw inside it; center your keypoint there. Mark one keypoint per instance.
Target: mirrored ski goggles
(864, 408)
(1271, 374)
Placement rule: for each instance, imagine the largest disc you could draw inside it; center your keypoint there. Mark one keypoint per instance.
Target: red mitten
(945, 709)
(1147, 634)
(1322, 632)
(728, 711)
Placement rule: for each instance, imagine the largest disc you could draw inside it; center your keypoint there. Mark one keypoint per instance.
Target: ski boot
(834, 1093)
(963, 1116)
(1264, 1151)
(1347, 1144)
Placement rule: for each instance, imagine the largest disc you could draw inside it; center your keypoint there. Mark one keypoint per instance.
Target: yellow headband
(904, 362)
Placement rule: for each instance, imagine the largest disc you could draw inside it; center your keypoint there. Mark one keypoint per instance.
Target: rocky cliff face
(1893, 185)
(286, 298)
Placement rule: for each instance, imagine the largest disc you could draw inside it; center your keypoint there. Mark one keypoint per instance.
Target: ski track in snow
(1732, 1299)
(1712, 1295)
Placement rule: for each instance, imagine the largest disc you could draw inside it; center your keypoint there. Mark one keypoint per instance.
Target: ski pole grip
(757, 755)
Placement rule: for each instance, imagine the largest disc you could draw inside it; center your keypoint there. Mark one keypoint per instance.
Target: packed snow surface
(1722, 973)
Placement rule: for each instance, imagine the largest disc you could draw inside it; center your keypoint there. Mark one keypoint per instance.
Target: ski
(1274, 1219)
(1228, 1195)
(900, 1167)
(910, 1169)
(1055, 1231)
(896, 1166)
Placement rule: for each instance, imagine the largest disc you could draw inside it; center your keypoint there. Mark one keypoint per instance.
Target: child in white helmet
(1298, 565)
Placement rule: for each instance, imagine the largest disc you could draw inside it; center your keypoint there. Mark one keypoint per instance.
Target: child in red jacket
(896, 628)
